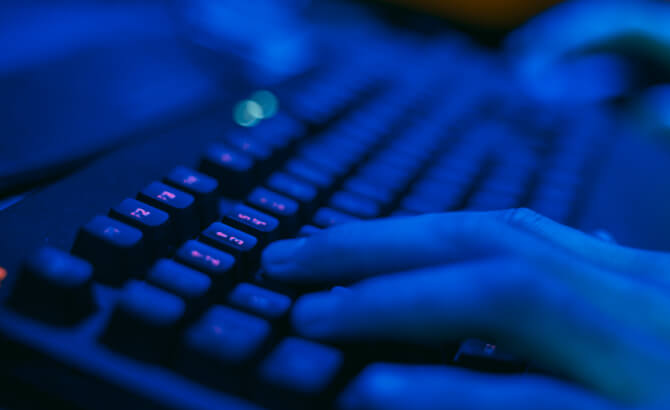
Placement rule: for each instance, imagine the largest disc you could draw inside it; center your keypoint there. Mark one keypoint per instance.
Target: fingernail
(281, 256)
(313, 314)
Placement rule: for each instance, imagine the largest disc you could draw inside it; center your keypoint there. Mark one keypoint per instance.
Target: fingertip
(279, 260)
(314, 314)
(377, 387)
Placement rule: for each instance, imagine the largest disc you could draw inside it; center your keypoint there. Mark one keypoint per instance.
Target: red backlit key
(279, 206)
(154, 223)
(178, 204)
(242, 245)
(231, 168)
(217, 264)
(201, 186)
(327, 217)
(113, 248)
(262, 226)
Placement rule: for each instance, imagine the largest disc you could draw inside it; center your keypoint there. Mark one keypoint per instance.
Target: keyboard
(146, 289)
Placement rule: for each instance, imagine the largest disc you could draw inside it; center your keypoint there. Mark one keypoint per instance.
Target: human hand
(582, 51)
(589, 310)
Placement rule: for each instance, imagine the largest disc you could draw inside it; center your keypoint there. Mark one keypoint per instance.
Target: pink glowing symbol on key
(264, 200)
(244, 217)
(166, 196)
(226, 157)
(190, 180)
(215, 262)
(258, 222)
(140, 213)
(236, 241)
(279, 206)
(111, 231)
(196, 254)
(221, 235)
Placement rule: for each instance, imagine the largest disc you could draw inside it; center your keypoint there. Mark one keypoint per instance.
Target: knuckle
(521, 217)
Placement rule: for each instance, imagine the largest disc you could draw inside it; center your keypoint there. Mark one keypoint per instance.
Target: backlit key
(154, 223)
(114, 248)
(230, 167)
(262, 302)
(189, 284)
(217, 264)
(354, 205)
(235, 242)
(178, 204)
(279, 206)
(201, 186)
(262, 226)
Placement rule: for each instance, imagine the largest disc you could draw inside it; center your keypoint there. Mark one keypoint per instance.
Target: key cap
(178, 204)
(113, 248)
(478, 355)
(309, 173)
(354, 205)
(242, 245)
(258, 301)
(298, 366)
(219, 265)
(145, 321)
(262, 226)
(360, 186)
(54, 286)
(327, 217)
(154, 224)
(304, 193)
(279, 206)
(250, 146)
(233, 169)
(222, 342)
(189, 284)
(202, 187)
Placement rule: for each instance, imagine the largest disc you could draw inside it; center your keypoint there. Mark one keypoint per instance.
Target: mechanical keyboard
(142, 286)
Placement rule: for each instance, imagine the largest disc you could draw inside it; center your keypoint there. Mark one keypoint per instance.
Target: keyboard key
(145, 321)
(263, 227)
(190, 285)
(222, 339)
(279, 206)
(262, 302)
(154, 223)
(477, 355)
(242, 245)
(309, 173)
(178, 204)
(114, 248)
(202, 187)
(360, 186)
(354, 205)
(301, 366)
(250, 146)
(233, 169)
(327, 217)
(54, 286)
(304, 193)
(217, 264)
